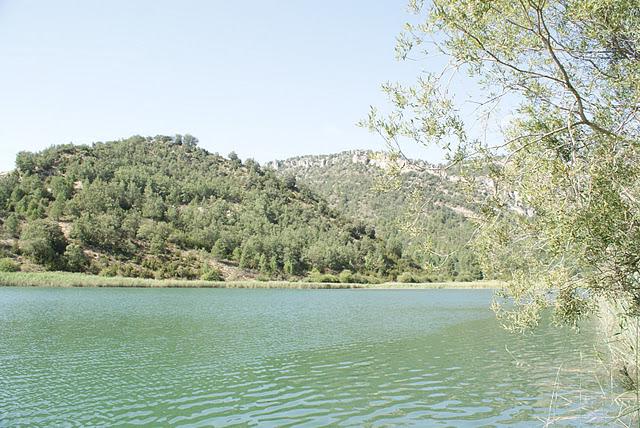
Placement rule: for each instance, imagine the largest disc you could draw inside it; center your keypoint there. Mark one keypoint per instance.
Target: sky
(267, 79)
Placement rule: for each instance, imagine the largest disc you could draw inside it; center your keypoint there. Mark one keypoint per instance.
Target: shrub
(316, 276)
(346, 276)
(406, 277)
(44, 243)
(373, 280)
(75, 258)
(111, 270)
(12, 226)
(366, 279)
(8, 265)
(210, 273)
(327, 277)
(313, 275)
(128, 269)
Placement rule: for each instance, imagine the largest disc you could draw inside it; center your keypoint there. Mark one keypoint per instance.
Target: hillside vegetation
(164, 208)
(410, 204)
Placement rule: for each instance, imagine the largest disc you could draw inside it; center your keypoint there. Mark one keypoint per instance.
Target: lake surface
(225, 357)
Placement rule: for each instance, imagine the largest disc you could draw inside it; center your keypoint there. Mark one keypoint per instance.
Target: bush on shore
(345, 277)
(8, 265)
(211, 274)
(415, 278)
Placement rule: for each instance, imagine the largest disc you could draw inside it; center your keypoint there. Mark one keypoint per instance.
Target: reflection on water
(284, 358)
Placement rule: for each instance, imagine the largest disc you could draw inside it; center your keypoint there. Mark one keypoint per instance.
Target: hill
(410, 202)
(162, 207)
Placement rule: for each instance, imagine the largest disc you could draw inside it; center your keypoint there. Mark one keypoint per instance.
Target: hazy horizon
(267, 80)
(262, 162)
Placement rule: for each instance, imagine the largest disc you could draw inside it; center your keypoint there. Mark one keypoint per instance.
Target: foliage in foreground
(562, 222)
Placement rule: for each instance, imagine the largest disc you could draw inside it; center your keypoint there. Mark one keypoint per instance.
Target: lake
(238, 357)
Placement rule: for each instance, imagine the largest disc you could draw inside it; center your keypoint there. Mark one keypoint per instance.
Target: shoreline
(81, 280)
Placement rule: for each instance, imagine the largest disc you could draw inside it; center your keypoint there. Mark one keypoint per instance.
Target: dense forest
(411, 203)
(164, 208)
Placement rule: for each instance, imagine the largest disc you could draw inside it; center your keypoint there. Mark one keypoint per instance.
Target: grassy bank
(437, 285)
(67, 279)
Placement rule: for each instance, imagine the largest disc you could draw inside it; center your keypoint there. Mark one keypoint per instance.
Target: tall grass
(67, 279)
(463, 285)
(621, 335)
(622, 338)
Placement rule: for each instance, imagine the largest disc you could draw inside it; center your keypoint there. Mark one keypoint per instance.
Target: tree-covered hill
(410, 202)
(163, 207)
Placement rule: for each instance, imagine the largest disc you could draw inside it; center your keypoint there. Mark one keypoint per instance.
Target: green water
(224, 357)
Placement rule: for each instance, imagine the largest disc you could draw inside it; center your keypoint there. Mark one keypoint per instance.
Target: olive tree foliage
(561, 212)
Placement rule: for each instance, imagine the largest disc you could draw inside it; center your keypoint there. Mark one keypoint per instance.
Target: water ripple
(280, 358)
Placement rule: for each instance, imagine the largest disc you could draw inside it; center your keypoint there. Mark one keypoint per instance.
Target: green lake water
(225, 357)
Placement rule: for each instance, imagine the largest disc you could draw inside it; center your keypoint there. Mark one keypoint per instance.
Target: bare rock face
(418, 171)
(382, 160)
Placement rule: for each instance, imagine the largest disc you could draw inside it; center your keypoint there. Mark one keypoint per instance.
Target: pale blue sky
(268, 79)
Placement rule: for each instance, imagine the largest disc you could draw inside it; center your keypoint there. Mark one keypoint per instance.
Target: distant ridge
(380, 159)
(419, 194)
